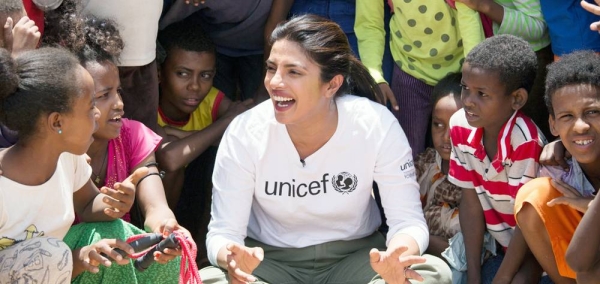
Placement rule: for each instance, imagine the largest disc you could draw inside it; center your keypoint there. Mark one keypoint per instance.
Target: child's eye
(482, 94)
(270, 68)
(438, 125)
(101, 96)
(592, 112)
(119, 90)
(206, 76)
(565, 117)
(294, 72)
(182, 74)
(464, 87)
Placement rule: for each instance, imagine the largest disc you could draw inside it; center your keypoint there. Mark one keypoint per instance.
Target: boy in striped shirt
(495, 150)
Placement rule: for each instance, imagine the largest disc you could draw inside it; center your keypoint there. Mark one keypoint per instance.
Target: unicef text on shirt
(343, 182)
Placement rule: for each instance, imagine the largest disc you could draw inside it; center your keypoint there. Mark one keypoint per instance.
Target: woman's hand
(571, 197)
(242, 261)
(555, 154)
(388, 95)
(393, 267)
(88, 258)
(121, 198)
(170, 226)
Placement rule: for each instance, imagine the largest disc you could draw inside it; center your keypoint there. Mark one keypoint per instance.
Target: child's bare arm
(555, 154)
(472, 225)
(106, 204)
(176, 154)
(583, 254)
(514, 261)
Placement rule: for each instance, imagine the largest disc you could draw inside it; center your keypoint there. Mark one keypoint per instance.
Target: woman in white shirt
(293, 178)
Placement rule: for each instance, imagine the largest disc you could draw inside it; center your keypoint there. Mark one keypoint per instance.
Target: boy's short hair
(577, 68)
(450, 84)
(11, 6)
(187, 35)
(510, 56)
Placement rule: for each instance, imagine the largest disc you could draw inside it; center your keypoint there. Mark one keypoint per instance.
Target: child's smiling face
(577, 121)
(186, 77)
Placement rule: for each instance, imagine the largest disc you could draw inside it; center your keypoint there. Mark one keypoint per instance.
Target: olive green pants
(343, 262)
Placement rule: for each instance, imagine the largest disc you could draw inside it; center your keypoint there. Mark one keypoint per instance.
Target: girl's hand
(393, 267)
(242, 261)
(90, 257)
(169, 226)
(571, 197)
(121, 198)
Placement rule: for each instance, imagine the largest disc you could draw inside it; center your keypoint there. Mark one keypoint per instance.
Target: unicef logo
(344, 182)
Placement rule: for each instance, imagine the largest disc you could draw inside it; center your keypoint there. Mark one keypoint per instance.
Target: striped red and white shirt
(496, 181)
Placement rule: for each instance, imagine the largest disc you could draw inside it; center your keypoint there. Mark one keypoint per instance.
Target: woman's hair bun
(9, 80)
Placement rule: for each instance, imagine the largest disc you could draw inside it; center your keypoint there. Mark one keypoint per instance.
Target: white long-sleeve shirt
(262, 190)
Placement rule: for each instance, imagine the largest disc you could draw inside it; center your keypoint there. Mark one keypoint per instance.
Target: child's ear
(519, 98)
(334, 85)
(54, 122)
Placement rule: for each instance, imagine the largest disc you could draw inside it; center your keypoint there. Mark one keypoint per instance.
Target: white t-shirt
(262, 190)
(137, 22)
(42, 210)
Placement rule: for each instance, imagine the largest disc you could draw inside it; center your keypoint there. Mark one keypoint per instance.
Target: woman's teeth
(282, 99)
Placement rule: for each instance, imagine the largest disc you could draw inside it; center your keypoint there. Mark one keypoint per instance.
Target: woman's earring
(60, 131)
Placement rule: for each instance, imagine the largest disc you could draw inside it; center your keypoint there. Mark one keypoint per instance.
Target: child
(495, 149)
(427, 41)
(549, 208)
(193, 115)
(237, 29)
(48, 98)
(138, 24)
(523, 18)
(440, 197)
(120, 147)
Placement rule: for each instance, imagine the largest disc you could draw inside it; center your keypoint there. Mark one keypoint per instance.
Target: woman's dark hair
(326, 44)
(37, 82)
(103, 41)
(63, 26)
(577, 68)
(449, 85)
